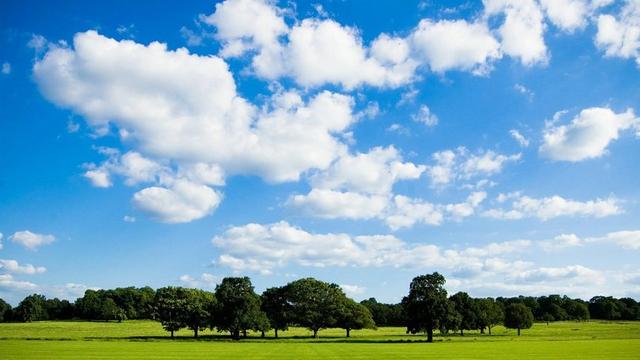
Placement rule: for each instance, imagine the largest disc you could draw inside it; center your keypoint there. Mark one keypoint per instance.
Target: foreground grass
(146, 340)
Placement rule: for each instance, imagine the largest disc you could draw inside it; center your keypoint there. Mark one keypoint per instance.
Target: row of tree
(234, 307)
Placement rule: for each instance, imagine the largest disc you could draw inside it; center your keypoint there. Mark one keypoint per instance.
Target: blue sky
(155, 143)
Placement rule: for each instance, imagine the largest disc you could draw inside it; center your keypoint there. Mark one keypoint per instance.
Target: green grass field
(147, 340)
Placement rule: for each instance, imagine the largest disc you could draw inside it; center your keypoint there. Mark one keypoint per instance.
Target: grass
(146, 340)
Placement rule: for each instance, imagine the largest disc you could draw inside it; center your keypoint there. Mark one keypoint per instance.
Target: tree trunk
(489, 327)
(195, 332)
(172, 334)
(235, 334)
(461, 332)
(429, 335)
(518, 331)
(315, 333)
(276, 329)
(262, 335)
(348, 332)
(482, 330)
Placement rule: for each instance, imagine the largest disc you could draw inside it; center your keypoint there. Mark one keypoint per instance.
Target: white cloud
(13, 267)
(523, 141)
(460, 164)
(425, 116)
(129, 219)
(524, 91)
(455, 45)
(181, 202)
(620, 36)
(373, 172)
(31, 240)
(8, 282)
(522, 30)
(555, 206)
(575, 274)
(333, 204)
(571, 15)
(561, 242)
(405, 212)
(6, 68)
(261, 248)
(588, 134)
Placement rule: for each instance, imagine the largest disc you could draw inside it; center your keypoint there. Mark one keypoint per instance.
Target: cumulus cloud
(353, 290)
(446, 45)
(13, 267)
(262, 248)
(332, 204)
(619, 36)
(576, 274)
(8, 282)
(587, 136)
(521, 30)
(31, 240)
(183, 201)
(183, 109)
(626, 239)
(205, 280)
(552, 207)
(460, 164)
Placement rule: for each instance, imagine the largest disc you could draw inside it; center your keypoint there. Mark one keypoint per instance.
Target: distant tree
(32, 308)
(489, 314)
(606, 308)
(315, 304)
(169, 309)
(518, 316)
(277, 308)
(5, 311)
(111, 311)
(425, 304)
(59, 309)
(450, 319)
(197, 313)
(238, 306)
(385, 314)
(466, 307)
(546, 317)
(355, 316)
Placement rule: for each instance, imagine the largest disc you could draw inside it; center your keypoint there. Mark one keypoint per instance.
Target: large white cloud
(587, 135)
(620, 36)
(447, 45)
(183, 109)
(31, 240)
(8, 282)
(522, 29)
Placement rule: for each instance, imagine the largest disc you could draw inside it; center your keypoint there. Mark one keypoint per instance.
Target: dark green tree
(169, 309)
(489, 314)
(426, 304)
(5, 311)
(32, 308)
(197, 313)
(315, 304)
(450, 320)
(355, 316)
(238, 307)
(518, 316)
(466, 307)
(277, 308)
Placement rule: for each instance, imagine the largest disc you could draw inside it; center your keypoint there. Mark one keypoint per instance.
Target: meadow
(147, 340)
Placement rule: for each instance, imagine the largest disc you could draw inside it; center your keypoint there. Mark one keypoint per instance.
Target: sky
(362, 143)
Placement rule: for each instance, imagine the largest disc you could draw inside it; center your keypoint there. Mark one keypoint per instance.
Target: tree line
(234, 307)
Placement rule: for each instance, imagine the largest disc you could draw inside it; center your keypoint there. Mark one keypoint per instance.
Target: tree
(5, 311)
(277, 308)
(385, 314)
(32, 308)
(425, 304)
(354, 316)
(315, 304)
(490, 313)
(111, 311)
(197, 313)
(238, 306)
(466, 307)
(169, 308)
(518, 316)
(450, 320)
